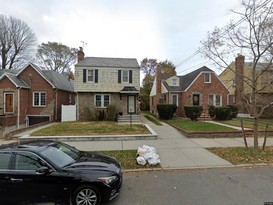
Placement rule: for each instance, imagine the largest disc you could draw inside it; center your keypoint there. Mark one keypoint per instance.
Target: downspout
(77, 107)
(56, 105)
(18, 109)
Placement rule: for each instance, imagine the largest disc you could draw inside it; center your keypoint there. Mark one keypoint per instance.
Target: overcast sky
(161, 29)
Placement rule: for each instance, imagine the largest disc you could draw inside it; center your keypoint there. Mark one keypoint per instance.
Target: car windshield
(60, 154)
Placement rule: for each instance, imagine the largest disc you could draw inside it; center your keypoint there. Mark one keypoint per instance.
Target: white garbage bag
(154, 160)
(147, 153)
(141, 151)
(141, 160)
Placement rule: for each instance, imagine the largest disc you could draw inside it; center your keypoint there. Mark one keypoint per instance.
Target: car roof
(34, 146)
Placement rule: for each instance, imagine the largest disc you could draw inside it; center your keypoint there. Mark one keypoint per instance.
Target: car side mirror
(43, 170)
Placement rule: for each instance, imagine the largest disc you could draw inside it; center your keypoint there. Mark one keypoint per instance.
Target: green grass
(241, 155)
(152, 119)
(90, 128)
(127, 158)
(188, 125)
(248, 123)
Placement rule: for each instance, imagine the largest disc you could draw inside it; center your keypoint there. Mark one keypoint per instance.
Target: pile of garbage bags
(147, 154)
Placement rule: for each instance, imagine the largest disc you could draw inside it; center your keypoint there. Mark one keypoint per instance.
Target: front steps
(129, 119)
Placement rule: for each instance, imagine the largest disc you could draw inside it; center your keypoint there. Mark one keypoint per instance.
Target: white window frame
(214, 98)
(174, 82)
(40, 99)
(209, 77)
(87, 75)
(123, 75)
(176, 103)
(103, 101)
(5, 99)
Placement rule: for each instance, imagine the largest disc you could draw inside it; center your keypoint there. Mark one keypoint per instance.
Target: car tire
(86, 194)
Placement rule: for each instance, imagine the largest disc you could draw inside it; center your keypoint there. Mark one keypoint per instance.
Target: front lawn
(90, 128)
(241, 155)
(248, 123)
(197, 126)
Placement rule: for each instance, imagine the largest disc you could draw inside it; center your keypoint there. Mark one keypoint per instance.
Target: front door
(8, 103)
(131, 104)
(196, 99)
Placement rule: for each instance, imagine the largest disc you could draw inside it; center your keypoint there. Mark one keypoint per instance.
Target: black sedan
(49, 171)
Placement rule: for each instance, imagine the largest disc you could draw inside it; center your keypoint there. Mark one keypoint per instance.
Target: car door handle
(16, 180)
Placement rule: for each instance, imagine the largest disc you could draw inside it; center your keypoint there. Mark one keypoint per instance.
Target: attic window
(207, 77)
(174, 82)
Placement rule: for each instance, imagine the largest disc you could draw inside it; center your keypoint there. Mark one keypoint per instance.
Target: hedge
(193, 111)
(166, 111)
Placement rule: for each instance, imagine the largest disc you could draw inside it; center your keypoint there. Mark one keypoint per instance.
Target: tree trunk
(255, 133)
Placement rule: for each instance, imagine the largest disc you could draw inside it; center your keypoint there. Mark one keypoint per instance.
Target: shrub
(166, 111)
(193, 111)
(87, 115)
(223, 113)
(111, 113)
(212, 111)
(101, 115)
(234, 111)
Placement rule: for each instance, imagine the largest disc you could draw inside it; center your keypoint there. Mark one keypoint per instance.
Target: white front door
(131, 104)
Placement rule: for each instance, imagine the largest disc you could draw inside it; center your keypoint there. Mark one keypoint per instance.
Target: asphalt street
(225, 186)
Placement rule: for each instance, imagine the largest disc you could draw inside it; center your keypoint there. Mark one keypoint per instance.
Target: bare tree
(251, 35)
(56, 56)
(17, 42)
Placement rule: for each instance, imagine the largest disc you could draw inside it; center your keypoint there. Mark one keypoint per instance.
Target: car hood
(95, 161)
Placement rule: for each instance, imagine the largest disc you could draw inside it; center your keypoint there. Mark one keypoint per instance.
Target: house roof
(249, 65)
(55, 79)
(129, 89)
(186, 80)
(108, 62)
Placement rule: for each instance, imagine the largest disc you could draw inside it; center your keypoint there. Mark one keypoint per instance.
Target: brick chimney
(239, 77)
(80, 54)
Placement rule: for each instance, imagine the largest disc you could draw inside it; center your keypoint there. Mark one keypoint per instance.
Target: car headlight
(108, 180)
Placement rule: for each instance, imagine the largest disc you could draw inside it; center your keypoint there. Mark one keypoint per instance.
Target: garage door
(32, 120)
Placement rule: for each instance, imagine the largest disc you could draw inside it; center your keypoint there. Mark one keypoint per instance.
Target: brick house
(31, 95)
(100, 82)
(200, 87)
(237, 77)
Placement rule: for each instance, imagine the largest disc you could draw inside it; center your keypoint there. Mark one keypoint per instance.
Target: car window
(4, 160)
(71, 151)
(57, 156)
(28, 161)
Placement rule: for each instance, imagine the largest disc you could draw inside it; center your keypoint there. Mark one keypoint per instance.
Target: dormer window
(174, 82)
(207, 77)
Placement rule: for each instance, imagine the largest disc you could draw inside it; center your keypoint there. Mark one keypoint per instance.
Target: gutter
(18, 109)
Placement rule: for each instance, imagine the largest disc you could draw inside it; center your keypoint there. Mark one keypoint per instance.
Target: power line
(222, 34)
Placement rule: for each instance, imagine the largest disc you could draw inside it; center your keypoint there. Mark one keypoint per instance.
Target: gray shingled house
(101, 83)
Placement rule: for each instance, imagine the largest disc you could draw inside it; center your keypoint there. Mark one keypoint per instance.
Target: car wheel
(86, 195)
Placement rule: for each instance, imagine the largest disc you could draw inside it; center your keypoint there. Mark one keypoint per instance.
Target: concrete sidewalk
(175, 150)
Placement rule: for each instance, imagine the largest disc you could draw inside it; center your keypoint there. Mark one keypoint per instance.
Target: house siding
(86, 102)
(38, 84)
(216, 87)
(107, 80)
